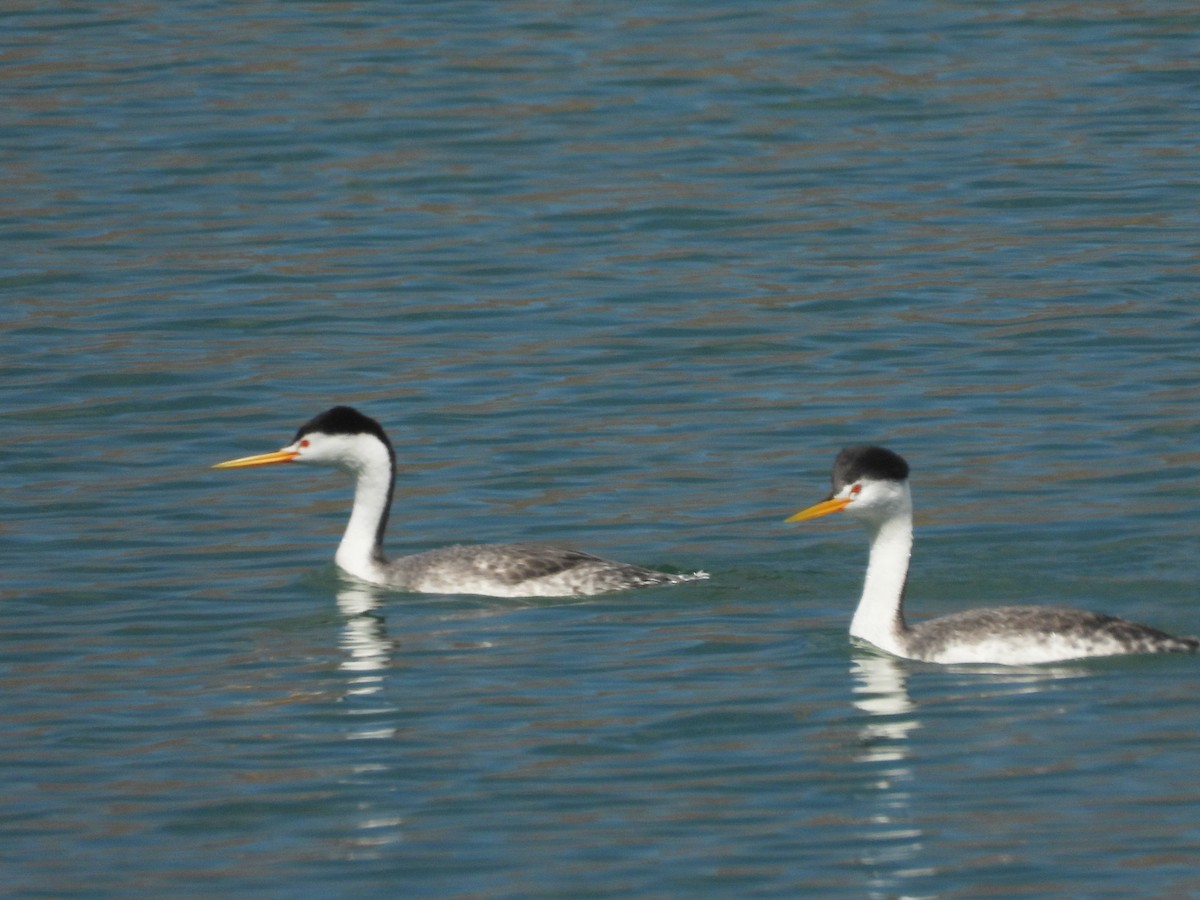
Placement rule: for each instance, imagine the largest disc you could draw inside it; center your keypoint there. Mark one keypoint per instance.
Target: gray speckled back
(530, 569)
(1095, 634)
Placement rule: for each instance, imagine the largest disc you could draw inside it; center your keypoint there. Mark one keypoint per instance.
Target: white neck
(361, 552)
(879, 618)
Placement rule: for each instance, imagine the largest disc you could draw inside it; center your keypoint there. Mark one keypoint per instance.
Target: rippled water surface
(625, 278)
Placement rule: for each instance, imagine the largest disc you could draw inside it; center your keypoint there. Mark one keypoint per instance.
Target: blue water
(625, 278)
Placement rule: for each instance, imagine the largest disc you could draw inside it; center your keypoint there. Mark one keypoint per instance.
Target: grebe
(346, 439)
(871, 484)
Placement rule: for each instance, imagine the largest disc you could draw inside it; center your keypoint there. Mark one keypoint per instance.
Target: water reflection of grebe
(892, 841)
(364, 639)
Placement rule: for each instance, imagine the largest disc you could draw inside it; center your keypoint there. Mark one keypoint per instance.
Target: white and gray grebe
(345, 439)
(871, 484)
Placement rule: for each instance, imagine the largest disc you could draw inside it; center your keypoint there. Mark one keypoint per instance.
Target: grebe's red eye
(304, 443)
(857, 489)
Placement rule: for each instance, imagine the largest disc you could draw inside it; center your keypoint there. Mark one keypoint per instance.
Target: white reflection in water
(880, 688)
(364, 638)
(368, 655)
(892, 841)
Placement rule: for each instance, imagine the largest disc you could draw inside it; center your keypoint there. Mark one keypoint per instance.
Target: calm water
(624, 278)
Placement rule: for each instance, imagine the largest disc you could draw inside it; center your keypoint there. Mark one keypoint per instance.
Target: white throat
(360, 553)
(879, 618)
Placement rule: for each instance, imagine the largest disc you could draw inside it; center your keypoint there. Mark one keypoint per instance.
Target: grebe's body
(346, 439)
(871, 484)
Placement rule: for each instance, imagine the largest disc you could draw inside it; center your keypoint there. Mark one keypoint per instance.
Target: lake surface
(625, 278)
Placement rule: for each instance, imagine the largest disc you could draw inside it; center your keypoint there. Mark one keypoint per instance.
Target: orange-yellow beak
(824, 508)
(262, 459)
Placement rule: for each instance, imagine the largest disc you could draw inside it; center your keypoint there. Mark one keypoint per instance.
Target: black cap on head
(864, 461)
(342, 420)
